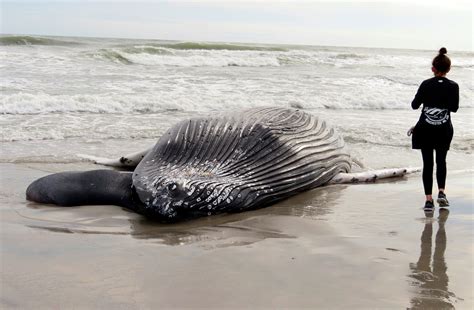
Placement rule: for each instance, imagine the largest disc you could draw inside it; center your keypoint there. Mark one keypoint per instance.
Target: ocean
(62, 96)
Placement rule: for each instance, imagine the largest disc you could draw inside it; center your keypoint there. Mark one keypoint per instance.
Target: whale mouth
(161, 209)
(160, 213)
(162, 199)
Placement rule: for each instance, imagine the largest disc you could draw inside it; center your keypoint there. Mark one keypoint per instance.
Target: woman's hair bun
(441, 62)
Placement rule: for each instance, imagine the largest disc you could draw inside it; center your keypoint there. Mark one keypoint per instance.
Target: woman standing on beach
(434, 130)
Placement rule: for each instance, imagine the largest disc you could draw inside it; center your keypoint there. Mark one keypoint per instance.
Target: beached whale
(203, 166)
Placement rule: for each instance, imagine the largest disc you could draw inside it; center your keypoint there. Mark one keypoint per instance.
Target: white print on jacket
(436, 116)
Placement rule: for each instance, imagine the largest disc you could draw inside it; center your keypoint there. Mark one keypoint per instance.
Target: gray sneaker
(442, 200)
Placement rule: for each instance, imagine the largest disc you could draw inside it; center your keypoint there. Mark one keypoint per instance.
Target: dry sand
(338, 247)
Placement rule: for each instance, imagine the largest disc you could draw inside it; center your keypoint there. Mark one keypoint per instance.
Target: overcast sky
(417, 24)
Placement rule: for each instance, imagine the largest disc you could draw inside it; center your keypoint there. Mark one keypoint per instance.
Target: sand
(337, 247)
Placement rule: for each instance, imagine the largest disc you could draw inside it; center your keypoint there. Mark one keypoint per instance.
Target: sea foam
(96, 89)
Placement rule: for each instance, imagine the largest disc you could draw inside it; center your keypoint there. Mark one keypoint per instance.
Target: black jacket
(440, 97)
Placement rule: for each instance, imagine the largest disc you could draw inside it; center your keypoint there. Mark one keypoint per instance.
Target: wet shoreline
(359, 246)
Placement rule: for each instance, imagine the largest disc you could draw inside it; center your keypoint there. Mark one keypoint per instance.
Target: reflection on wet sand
(222, 230)
(431, 280)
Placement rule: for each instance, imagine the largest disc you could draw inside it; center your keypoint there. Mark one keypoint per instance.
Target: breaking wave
(186, 97)
(159, 56)
(111, 55)
(219, 46)
(348, 56)
(147, 49)
(169, 55)
(29, 40)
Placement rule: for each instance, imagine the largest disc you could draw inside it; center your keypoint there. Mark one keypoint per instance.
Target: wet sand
(338, 247)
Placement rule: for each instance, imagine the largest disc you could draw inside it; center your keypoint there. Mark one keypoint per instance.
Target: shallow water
(134, 89)
(108, 96)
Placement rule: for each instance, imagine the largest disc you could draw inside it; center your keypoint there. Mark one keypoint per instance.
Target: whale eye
(172, 186)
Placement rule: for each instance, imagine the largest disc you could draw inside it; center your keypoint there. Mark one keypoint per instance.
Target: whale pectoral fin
(129, 160)
(95, 187)
(371, 176)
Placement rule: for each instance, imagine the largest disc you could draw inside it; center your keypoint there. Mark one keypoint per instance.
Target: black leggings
(428, 169)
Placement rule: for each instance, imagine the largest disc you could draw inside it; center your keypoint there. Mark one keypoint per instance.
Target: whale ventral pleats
(238, 161)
